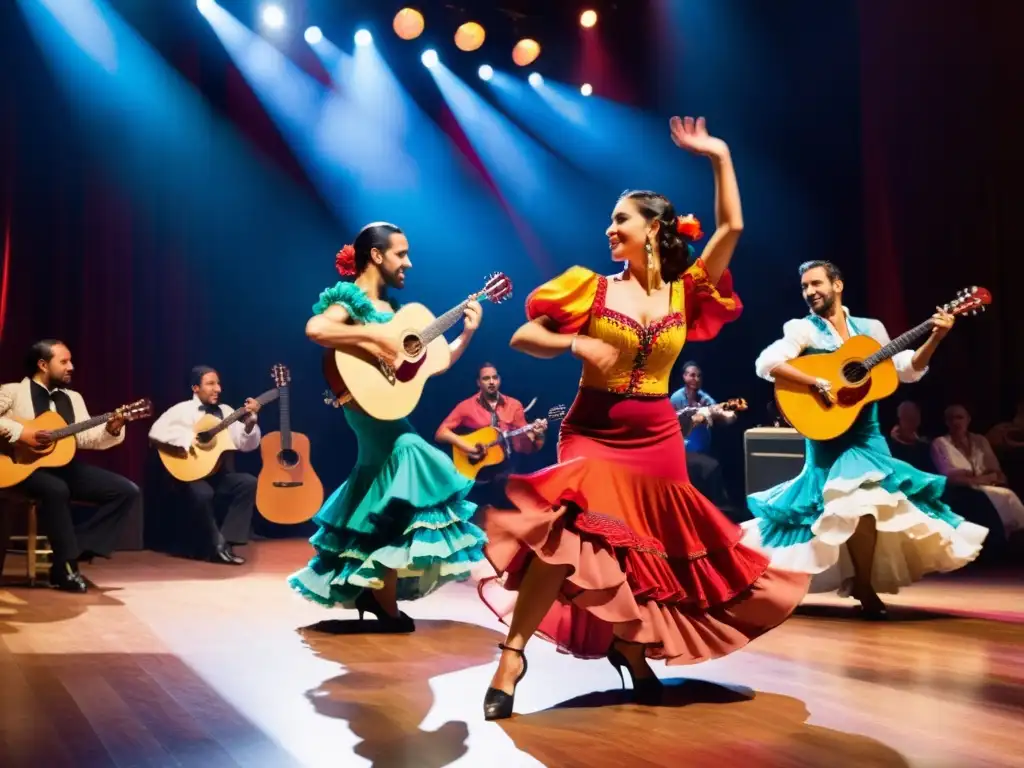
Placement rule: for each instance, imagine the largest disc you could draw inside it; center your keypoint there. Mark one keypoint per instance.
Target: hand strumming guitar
(36, 438)
(381, 344)
(599, 354)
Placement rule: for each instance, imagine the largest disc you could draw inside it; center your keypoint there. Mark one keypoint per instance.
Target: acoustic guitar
(493, 445)
(19, 461)
(736, 404)
(391, 391)
(861, 372)
(287, 489)
(212, 440)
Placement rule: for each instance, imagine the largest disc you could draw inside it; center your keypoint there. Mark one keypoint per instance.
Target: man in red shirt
(490, 408)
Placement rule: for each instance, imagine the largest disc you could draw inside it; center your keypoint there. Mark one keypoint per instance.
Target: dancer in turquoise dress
(859, 519)
(399, 527)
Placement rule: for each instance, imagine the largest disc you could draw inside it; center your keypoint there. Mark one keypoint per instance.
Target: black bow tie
(211, 409)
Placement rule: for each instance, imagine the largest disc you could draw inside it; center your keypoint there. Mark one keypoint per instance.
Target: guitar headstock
(557, 413)
(969, 301)
(281, 375)
(140, 409)
(736, 404)
(497, 288)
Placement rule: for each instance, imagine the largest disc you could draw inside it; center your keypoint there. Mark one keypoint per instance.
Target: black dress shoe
(224, 554)
(66, 578)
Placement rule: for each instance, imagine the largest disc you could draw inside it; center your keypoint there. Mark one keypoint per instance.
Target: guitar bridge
(288, 484)
(387, 370)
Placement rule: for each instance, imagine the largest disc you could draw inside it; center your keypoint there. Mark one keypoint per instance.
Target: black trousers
(222, 507)
(91, 531)
(706, 475)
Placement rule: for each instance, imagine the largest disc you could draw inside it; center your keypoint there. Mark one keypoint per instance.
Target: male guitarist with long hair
(489, 407)
(866, 522)
(222, 503)
(48, 370)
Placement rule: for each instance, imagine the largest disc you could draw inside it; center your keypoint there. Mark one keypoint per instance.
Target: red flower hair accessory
(689, 227)
(345, 261)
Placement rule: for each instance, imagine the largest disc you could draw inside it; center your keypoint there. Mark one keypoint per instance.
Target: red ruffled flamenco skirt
(651, 560)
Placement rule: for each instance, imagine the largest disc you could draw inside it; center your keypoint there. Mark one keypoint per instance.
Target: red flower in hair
(345, 261)
(689, 227)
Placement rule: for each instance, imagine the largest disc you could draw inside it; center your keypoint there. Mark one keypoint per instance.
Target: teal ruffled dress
(804, 523)
(403, 507)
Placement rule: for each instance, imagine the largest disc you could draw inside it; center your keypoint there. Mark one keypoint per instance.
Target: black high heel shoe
(367, 603)
(646, 690)
(497, 703)
(872, 608)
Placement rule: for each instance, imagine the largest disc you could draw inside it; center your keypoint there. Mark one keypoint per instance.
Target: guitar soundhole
(855, 372)
(412, 345)
(288, 459)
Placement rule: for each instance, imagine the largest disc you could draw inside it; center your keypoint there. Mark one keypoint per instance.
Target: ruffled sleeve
(351, 297)
(708, 307)
(566, 300)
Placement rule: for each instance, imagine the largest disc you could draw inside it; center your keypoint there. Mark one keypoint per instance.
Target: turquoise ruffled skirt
(803, 524)
(404, 508)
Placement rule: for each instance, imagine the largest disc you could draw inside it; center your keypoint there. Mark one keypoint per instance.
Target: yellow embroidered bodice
(575, 302)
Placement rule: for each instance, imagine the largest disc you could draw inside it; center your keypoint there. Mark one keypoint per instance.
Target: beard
(827, 303)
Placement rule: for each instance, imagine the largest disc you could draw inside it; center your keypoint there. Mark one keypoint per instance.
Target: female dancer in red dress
(612, 551)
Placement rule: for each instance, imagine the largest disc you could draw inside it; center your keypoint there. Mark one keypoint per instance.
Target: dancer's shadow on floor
(385, 692)
(762, 729)
(897, 613)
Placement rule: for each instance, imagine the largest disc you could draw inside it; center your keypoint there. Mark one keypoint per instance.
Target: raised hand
(692, 135)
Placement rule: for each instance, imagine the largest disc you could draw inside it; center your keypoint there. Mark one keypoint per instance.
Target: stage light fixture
(273, 16)
(588, 19)
(526, 52)
(408, 24)
(363, 37)
(535, 80)
(313, 35)
(486, 72)
(586, 89)
(429, 57)
(469, 36)
(205, 6)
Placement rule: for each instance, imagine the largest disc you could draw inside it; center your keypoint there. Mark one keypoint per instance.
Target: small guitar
(203, 457)
(389, 392)
(287, 489)
(861, 372)
(19, 461)
(736, 404)
(493, 445)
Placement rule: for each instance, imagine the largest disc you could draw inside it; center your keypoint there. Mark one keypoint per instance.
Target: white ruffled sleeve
(902, 360)
(796, 337)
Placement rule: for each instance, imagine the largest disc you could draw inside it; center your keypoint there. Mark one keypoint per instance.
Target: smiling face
(629, 231)
(394, 261)
(820, 292)
(692, 378)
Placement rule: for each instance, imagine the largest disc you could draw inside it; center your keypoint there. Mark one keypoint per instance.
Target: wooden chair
(36, 549)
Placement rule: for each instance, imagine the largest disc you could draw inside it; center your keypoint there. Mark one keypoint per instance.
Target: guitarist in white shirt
(227, 494)
(48, 369)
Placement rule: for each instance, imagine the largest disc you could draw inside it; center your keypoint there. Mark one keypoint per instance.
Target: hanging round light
(469, 36)
(408, 24)
(525, 52)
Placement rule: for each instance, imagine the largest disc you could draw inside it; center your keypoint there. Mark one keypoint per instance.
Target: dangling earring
(650, 267)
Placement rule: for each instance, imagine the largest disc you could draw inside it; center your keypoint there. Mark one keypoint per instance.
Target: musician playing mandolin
(852, 494)
(73, 539)
(223, 502)
(490, 408)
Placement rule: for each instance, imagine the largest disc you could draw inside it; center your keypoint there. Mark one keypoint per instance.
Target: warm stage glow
(526, 52)
(586, 89)
(408, 24)
(469, 36)
(588, 19)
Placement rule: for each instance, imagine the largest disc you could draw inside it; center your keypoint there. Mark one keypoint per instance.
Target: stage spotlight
(485, 72)
(363, 37)
(313, 35)
(408, 24)
(273, 16)
(429, 57)
(588, 19)
(469, 36)
(205, 6)
(526, 52)
(535, 79)
(586, 89)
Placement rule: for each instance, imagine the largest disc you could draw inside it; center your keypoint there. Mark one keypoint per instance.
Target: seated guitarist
(490, 408)
(862, 520)
(222, 503)
(73, 539)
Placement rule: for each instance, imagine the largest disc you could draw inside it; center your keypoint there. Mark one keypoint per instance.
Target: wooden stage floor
(178, 663)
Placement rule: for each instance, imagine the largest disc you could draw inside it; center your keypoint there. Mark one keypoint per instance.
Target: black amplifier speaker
(772, 455)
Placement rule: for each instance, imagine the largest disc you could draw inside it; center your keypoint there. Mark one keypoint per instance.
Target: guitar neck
(446, 321)
(503, 436)
(286, 418)
(899, 344)
(267, 397)
(81, 426)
